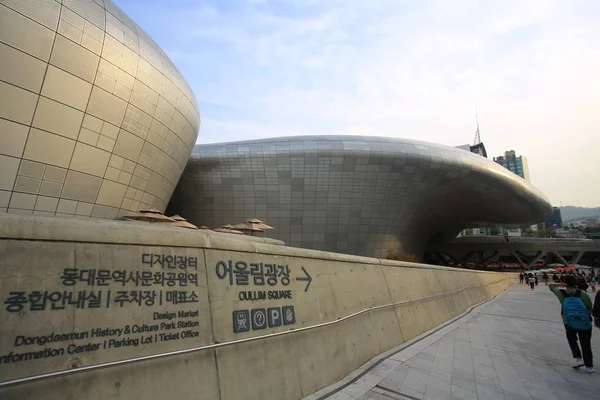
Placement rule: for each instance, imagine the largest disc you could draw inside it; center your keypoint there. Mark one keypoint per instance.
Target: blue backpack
(575, 312)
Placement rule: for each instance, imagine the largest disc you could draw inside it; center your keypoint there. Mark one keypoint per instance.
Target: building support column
(450, 257)
(494, 254)
(537, 258)
(560, 258)
(514, 254)
(465, 258)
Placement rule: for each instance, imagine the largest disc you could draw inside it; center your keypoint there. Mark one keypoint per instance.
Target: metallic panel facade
(95, 120)
(353, 194)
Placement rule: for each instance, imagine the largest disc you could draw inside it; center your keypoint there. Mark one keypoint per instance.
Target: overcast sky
(416, 69)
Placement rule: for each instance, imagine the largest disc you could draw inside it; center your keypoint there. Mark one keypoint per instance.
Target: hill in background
(570, 213)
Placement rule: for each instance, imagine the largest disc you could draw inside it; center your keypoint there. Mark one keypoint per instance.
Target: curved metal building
(95, 120)
(353, 194)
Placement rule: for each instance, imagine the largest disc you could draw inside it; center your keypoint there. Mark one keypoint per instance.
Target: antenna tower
(477, 134)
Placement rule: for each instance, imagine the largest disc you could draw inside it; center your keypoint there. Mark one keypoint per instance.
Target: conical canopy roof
(259, 223)
(252, 225)
(228, 230)
(247, 226)
(151, 210)
(150, 215)
(183, 224)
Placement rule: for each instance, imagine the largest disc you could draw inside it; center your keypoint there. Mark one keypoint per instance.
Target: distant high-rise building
(556, 219)
(517, 165)
(478, 148)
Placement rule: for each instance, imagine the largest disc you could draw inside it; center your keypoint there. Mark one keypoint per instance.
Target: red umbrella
(568, 268)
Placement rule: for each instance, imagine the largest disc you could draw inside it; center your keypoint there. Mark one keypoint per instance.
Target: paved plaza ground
(512, 347)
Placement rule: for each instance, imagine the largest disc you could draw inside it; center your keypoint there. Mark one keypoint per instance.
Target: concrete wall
(35, 251)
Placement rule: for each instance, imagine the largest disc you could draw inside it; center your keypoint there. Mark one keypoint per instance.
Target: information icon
(274, 317)
(259, 318)
(241, 321)
(289, 315)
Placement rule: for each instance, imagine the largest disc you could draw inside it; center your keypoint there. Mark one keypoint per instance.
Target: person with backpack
(577, 317)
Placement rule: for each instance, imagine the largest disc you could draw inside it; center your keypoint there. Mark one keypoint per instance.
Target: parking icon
(289, 315)
(259, 318)
(241, 321)
(274, 315)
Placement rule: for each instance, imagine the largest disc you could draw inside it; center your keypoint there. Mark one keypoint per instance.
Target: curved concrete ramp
(104, 309)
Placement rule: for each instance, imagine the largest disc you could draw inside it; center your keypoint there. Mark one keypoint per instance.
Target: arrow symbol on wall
(308, 278)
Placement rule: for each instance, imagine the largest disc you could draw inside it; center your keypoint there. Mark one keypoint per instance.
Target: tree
(546, 231)
(400, 256)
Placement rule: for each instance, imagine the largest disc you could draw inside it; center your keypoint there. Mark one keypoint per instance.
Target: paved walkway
(512, 347)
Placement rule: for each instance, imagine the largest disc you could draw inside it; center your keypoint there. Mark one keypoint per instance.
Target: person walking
(521, 277)
(581, 282)
(536, 279)
(531, 281)
(596, 310)
(545, 278)
(577, 317)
